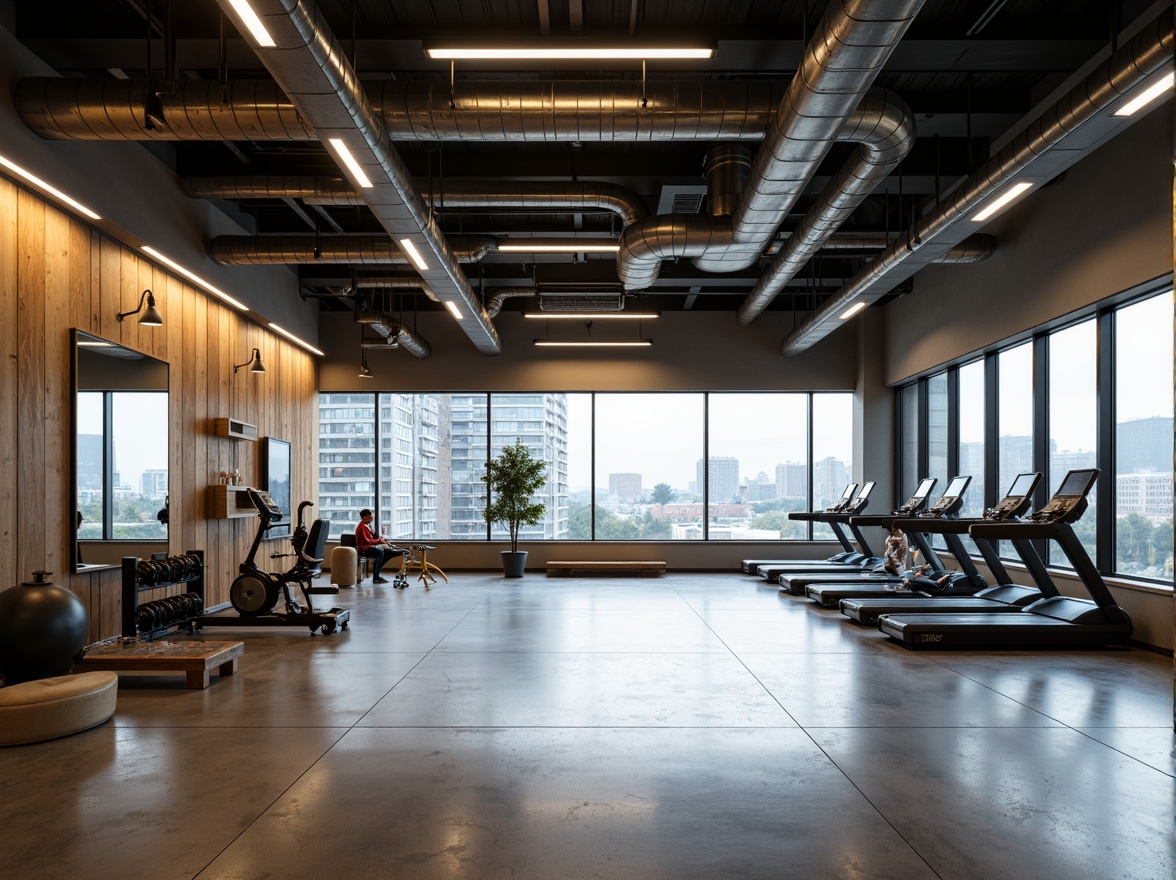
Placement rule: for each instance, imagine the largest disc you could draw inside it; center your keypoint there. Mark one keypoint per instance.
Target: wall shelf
(229, 502)
(235, 429)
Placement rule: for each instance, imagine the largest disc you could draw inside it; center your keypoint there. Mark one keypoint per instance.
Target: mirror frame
(77, 335)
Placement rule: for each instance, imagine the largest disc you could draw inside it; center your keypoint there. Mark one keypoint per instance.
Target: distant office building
(1066, 460)
(723, 474)
(1015, 453)
(972, 460)
(153, 483)
(678, 512)
(626, 488)
(1144, 445)
(792, 480)
(89, 466)
(761, 488)
(1146, 494)
(829, 478)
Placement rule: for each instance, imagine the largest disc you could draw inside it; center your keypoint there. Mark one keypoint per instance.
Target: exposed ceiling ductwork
(359, 250)
(1054, 141)
(308, 64)
(450, 194)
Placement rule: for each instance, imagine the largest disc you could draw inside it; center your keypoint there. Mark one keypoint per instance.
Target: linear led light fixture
(592, 316)
(1011, 193)
(454, 310)
(192, 276)
(253, 23)
(557, 246)
(593, 343)
(1147, 96)
(294, 338)
(52, 190)
(853, 310)
(553, 50)
(413, 254)
(348, 160)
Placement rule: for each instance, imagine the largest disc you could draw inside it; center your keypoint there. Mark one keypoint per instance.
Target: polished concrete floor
(690, 726)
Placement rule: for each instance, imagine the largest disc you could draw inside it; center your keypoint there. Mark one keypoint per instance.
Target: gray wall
(1104, 228)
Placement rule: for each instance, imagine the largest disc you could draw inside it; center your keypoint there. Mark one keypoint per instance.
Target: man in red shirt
(367, 543)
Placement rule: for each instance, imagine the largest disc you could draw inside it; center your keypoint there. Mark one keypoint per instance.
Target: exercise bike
(256, 593)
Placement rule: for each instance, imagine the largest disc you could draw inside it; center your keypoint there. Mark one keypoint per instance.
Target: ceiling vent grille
(593, 302)
(681, 199)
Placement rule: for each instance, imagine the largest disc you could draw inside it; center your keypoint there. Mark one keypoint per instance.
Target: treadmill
(1005, 596)
(829, 589)
(1055, 621)
(750, 566)
(853, 563)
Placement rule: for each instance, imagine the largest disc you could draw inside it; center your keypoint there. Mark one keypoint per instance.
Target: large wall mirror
(120, 453)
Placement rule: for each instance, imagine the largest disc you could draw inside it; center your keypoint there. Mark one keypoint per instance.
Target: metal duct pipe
(361, 250)
(380, 283)
(385, 325)
(727, 167)
(548, 111)
(456, 194)
(500, 295)
(849, 49)
(1031, 155)
(884, 130)
(876, 123)
(974, 249)
(309, 65)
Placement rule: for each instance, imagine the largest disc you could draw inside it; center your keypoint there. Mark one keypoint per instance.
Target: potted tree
(511, 481)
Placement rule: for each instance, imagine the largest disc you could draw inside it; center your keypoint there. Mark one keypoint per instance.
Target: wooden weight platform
(195, 659)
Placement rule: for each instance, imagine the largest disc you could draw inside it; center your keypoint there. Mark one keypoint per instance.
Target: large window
(1143, 438)
(619, 466)
(1073, 419)
(909, 475)
(937, 465)
(1095, 393)
(771, 462)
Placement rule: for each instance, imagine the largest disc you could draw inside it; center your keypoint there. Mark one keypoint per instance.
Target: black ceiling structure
(968, 73)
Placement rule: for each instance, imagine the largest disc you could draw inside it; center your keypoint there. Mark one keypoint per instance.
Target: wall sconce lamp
(150, 316)
(254, 363)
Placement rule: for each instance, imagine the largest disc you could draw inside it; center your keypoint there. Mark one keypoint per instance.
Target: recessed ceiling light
(1009, 194)
(413, 254)
(592, 316)
(454, 310)
(594, 343)
(566, 51)
(348, 160)
(1147, 96)
(557, 246)
(192, 276)
(253, 23)
(853, 310)
(294, 338)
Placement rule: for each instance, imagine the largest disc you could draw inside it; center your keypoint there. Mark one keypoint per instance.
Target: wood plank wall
(57, 273)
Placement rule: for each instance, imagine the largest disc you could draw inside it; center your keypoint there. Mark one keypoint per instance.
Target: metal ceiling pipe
(387, 326)
(849, 49)
(1031, 153)
(310, 66)
(62, 108)
(381, 283)
(500, 295)
(884, 130)
(881, 124)
(974, 249)
(726, 167)
(361, 250)
(455, 194)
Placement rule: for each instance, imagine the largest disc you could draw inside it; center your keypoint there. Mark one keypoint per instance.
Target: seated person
(368, 543)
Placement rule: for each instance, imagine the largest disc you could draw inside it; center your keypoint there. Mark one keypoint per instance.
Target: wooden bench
(195, 659)
(645, 568)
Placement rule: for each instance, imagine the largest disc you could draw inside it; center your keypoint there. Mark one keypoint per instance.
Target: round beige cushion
(47, 708)
(344, 566)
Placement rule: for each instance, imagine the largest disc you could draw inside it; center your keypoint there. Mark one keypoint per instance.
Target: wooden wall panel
(57, 273)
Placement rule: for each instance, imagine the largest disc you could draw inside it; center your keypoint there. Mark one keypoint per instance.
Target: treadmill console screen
(1069, 502)
(952, 499)
(846, 497)
(916, 501)
(1017, 501)
(861, 500)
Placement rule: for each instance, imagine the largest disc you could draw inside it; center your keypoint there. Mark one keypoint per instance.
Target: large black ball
(42, 628)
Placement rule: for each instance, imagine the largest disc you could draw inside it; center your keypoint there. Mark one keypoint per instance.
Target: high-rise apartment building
(792, 480)
(723, 474)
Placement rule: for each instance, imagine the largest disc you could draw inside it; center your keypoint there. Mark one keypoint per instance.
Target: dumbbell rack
(132, 586)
